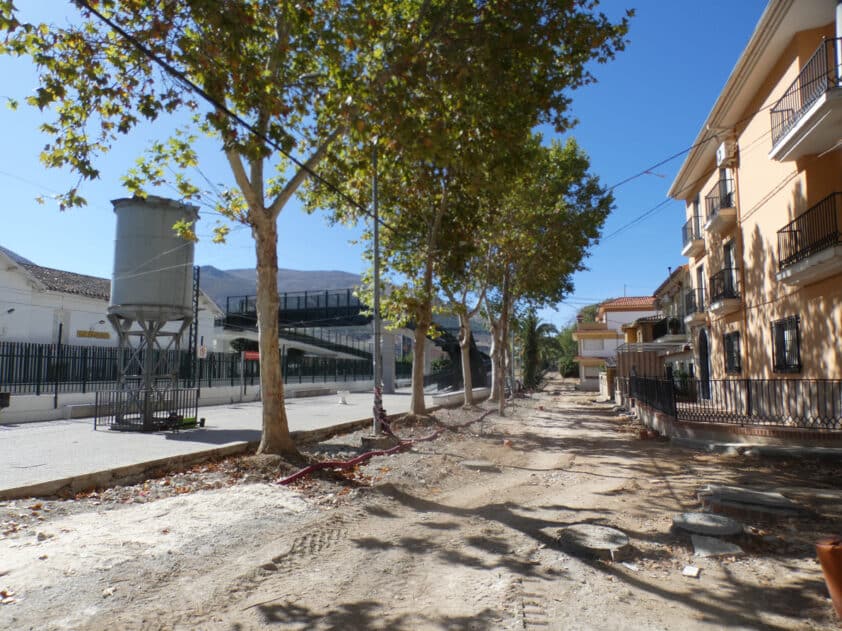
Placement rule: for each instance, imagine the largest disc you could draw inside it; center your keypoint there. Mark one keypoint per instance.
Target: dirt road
(420, 541)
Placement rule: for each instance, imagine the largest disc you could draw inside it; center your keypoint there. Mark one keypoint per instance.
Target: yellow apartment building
(763, 194)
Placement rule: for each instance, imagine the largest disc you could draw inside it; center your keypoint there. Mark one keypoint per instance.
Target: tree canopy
(448, 86)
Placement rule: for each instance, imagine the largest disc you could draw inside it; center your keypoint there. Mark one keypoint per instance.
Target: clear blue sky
(648, 104)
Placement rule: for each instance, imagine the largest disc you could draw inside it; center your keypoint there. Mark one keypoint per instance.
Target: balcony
(669, 329)
(691, 237)
(724, 292)
(694, 307)
(807, 118)
(721, 207)
(810, 247)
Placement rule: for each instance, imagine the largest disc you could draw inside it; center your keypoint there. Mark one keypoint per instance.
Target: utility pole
(379, 412)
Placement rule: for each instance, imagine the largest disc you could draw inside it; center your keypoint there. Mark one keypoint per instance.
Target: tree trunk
(275, 438)
(503, 330)
(465, 351)
(495, 351)
(417, 405)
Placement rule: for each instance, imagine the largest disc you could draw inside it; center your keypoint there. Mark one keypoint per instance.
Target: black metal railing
(305, 307)
(818, 75)
(694, 301)
(667, 326)
(811, 232)
(719, 197)
(328, 339)
(46, 369)
(723, 285)
(800, 403)
(656, 393)
(691, 231)
(146, 410)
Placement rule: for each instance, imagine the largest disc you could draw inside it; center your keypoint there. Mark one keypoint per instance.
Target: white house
(598, 341)
(36, 303)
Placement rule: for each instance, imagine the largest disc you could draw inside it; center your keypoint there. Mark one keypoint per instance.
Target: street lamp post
(379, 412)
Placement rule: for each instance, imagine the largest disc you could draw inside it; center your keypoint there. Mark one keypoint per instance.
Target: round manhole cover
(707, 524)
(601, 541)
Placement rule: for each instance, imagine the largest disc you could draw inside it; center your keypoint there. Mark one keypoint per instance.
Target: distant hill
(219, 284)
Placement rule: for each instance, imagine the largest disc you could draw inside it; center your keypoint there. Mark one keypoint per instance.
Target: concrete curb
(131, 474)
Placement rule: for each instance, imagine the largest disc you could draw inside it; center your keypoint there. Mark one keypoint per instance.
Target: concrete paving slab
(37, 453)
(707, 524)
(712, 547)
(744, 495)
(594, 540)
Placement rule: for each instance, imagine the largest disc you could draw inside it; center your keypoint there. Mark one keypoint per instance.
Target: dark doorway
(704, 366)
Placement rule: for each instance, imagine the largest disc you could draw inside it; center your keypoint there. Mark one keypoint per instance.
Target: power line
(654, 209)
(181, 77)
(704, 141)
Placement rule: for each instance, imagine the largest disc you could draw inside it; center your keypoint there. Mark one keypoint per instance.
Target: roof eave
(702, 149)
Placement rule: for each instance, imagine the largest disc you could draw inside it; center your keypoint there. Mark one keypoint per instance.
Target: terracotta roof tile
(71, 283)
(629, 303)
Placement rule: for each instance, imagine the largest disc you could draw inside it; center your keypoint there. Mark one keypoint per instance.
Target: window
(593, 345)
(732, 353)
(787, 340)
(726, 189)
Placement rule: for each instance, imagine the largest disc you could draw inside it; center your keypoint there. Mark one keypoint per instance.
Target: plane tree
(269, 78)
(545, 225)
(469, 103)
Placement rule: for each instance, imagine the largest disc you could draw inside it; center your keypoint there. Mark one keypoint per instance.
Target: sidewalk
(54, 453)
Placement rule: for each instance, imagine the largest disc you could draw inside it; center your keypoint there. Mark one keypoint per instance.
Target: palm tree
(539, 345)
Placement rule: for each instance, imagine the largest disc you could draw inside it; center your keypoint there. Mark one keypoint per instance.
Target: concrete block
(713, 547)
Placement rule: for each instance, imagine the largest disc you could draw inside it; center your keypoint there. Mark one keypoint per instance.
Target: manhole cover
(595, 540)
(707, 524)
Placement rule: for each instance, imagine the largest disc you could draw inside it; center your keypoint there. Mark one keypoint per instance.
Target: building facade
(763, 194)
(598, 341)
(44, 306)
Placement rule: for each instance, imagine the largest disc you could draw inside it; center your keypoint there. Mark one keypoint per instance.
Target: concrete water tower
(151, 307)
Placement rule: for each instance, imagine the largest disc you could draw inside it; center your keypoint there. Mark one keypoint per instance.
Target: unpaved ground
(417, 541)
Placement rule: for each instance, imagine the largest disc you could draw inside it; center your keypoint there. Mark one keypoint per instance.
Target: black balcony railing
(819, 74)
(723, 285)
(694, 301)
(719, 197)
(811, 232)
(667, 326)
(691, 231)
(799, 403)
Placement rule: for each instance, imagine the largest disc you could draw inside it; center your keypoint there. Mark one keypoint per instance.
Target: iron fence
(811, 232)
(657, 393)
(817, 76)
(146, 410)
(799, 403)
(50, 369)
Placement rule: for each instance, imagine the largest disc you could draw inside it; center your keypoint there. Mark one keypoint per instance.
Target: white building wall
(616, 319)
(37, 313)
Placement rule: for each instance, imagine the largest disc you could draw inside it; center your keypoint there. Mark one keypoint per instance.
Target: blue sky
(648, 104)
